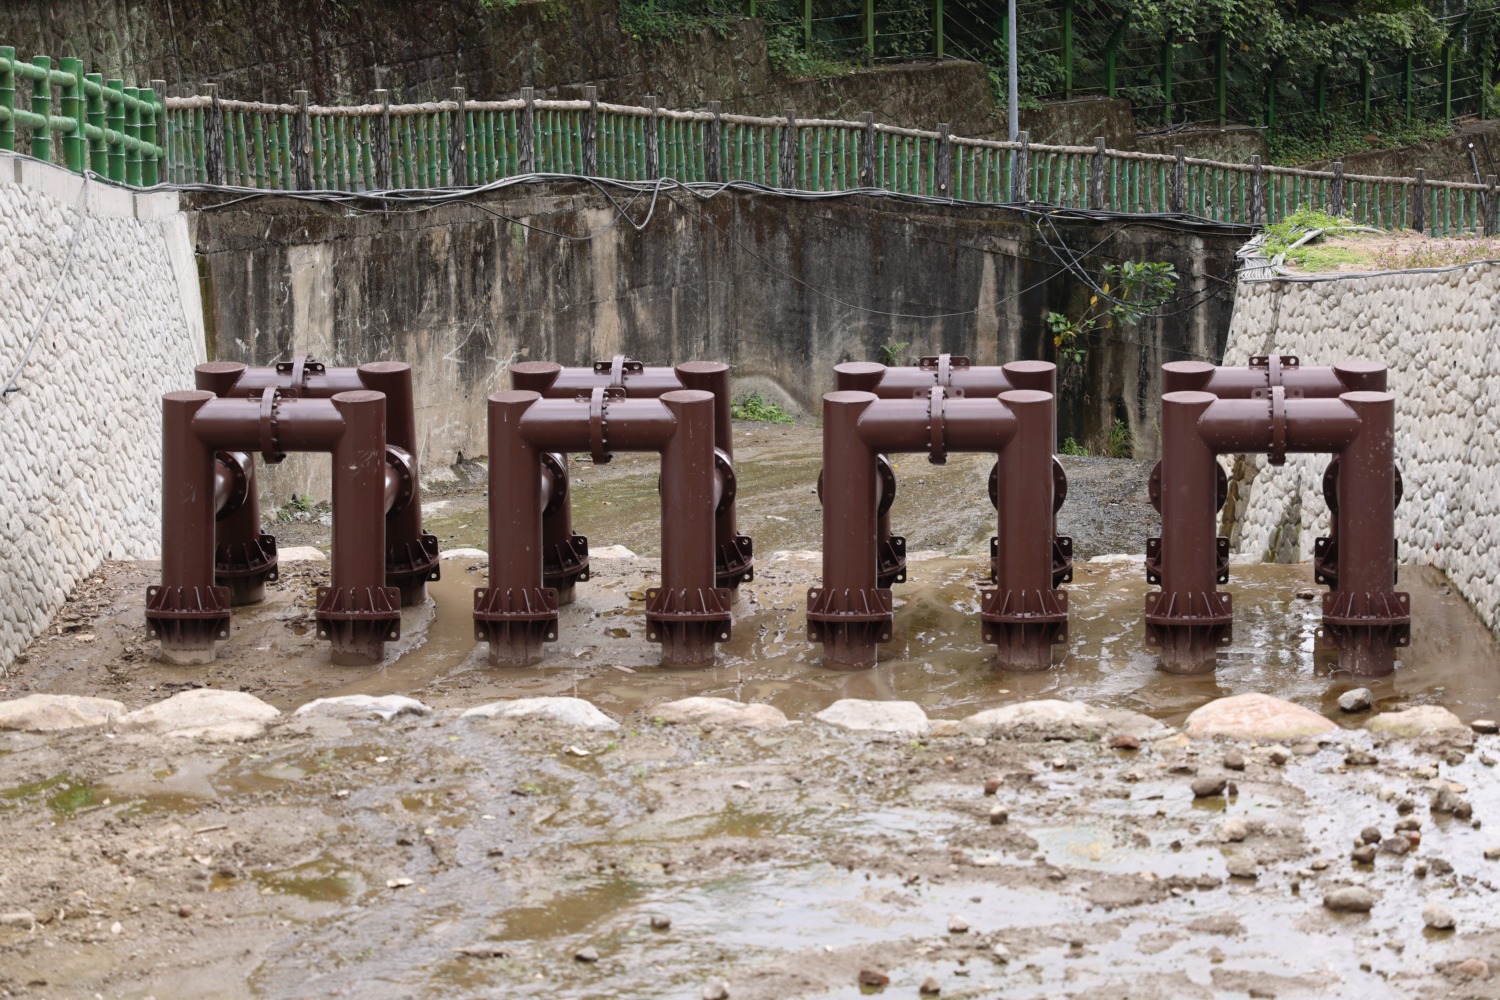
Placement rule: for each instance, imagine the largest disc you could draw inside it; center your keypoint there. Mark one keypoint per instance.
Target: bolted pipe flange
(296, 372)
(270, 447)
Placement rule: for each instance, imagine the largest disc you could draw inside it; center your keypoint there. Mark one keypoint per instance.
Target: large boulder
(203, 713)
(720, 712)
(56, 713)
(900, 718)
(1256, 716)
(364, 706)
(1422, 722)
(575, 712)
(1061, 720)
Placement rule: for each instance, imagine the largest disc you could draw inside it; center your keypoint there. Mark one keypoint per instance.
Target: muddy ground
(786, 862)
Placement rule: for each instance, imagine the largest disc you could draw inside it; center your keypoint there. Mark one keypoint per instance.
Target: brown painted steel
(188, 612)
(246, 556)
(1188, 619)
(1241, 382)
(565, 552)
(517, 613)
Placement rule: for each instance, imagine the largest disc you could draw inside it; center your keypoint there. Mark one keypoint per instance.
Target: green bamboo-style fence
(137, 137)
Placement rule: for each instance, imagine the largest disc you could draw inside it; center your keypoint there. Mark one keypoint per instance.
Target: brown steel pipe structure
(244, 556)
(189, 612)
(565, 554)
(955, 374)
(517, 612)
(1188, 619)
(851, 613)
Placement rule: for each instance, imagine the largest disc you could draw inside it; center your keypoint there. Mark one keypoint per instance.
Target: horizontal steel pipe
(1240, 382)
(1240, 426)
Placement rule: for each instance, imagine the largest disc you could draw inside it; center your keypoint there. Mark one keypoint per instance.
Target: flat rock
(1350, 899)
(385, 707)
(300, 553)
(1052, 719)
(57, 713)
(203, 713)
(1255, 716)
(611, 552)
(903, 718)
(1423, 721)
(726, 712)
(575, 712)
(466, 553)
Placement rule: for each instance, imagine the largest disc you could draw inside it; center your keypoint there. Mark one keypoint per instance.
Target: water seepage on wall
(783, 288)
(80, 470)
(1435, 331)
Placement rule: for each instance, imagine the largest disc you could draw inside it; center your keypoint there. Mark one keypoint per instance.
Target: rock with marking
(900, 718)
(1052, 719)
(576, 712)
(726, 712)
(1421, 722)
(1255, 716)
(385, 707)
(203, 713)
(58, 713)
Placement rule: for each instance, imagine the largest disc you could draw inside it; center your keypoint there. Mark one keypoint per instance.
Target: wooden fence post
(1020, 177)
(458, 141)
(213, 137)
(1419, 210)
(302, 144)
(867, 150)
(526, 133)
(712, 167)
(380, 142)
(944, 186)
(1336, 195)
(1179, 179)
(653, 139)
(789, 150)
(591, 133)
(1096, 174)
(1257, 192)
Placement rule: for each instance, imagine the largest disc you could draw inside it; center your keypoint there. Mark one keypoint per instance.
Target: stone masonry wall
(80, 467)
(1434, 331)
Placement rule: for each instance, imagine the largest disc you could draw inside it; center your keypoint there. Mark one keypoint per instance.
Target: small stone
(1364, 854)
(588, 954)
(1280, 755)
(1234, 760)
(661, 922)
(1369, 835)
(1405, 806)
(1492, 854)
(1473, 968)
(1242, 866)
(1232, 831)
(1360, 758)
(115, 928)
(1440, 867)
(1124, 741)
(1447, 802)
(1351, 899)
(20, 918)
(1000, 953)
(958, 925)
(1408, 823)
(930, 987)
(1357, 700)
(1318, 864)
(1438, 917)
(999, 816)
(184, 911)
(716, 989)
(1397, 845)
(1306, 749)
(1419, 869)
(991, 786)
(873, 977)
(1208, 787)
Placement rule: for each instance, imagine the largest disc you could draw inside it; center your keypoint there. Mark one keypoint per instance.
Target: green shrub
(757, 407)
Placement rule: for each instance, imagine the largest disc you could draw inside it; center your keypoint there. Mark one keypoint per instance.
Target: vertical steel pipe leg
(1024, 615)
(187, 612)
(1188, 619)
(1365, 617)
(734, 561)
(244, 556)
(565, 554)
(411, 555)
(357, 612)
(850, 614)
(515, 614)
(688, 614)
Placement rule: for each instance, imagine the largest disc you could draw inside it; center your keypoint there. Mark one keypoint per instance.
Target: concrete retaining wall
(1435, 331)
(80, 466)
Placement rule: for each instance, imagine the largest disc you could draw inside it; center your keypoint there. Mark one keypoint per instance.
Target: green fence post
(807, 25)
(133, 132)
(114, 116)
(1067, 47)
(41, 104)
(7, 97)
(1271, 95)
(1166, 78)
(1366, 86)
(150, 164)
(1221, 78)
(380, 142)
(1320, 90)
(937, 28)
(1109, 53)
(159, 120)
(93, 102)
(302, 144)
(1448, 81)
(460, 169)
(1406, 81)
(1484, 85)
(869, 20)
(74, 142)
